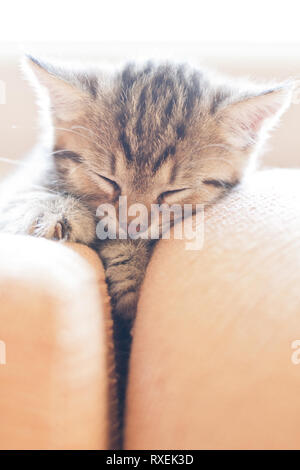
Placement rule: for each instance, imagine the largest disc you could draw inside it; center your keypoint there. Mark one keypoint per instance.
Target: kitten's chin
(126, 305)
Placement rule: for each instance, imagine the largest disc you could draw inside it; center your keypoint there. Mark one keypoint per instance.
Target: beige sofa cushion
(54, 388)
(211, 363)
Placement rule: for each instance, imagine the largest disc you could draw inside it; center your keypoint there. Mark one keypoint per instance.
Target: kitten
(155, 133)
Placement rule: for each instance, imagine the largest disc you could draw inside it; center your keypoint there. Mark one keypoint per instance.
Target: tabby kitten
(155, 133)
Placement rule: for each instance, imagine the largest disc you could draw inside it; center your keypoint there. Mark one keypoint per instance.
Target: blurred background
(255, 39)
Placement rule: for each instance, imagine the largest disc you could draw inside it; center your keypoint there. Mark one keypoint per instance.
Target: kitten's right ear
(68, 91)
(245, 119)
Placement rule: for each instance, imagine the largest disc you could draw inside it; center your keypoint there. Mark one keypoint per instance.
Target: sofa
(212, 364)
(215, 358)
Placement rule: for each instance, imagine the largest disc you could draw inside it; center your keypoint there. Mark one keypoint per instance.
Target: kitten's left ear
(245, 120)
(67, 90)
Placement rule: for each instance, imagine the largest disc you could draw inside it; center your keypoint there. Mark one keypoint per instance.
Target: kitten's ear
(68, 91)
(245, 120)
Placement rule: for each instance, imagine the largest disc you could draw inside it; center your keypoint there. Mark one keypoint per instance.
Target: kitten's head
(157, 133)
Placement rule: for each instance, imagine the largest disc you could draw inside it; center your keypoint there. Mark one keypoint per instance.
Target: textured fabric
(211, 358)
(57, 331)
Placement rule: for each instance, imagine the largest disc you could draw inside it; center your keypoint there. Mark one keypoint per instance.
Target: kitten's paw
(62, 230)
(72, 224)
(55, 218)
(49, 227)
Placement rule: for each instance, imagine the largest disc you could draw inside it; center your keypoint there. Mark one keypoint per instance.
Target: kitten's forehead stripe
(112, 164)
(162, 158)
(141, 108)
(90, 83)
(126, 147)
(170, 106)
(193, 94)
(155, 105)
(180, 131)
(93, 87)
(218, 98)
(173, 173)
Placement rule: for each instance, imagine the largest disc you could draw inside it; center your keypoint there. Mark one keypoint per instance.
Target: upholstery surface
(211, 360)
(56, 328)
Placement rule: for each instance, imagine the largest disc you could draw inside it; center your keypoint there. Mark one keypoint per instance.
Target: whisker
(59, 151)
(12, 162)
(100, 147)
(46, 190)
(84, 128)
(76, 133)
(226, 147)
(218, 159)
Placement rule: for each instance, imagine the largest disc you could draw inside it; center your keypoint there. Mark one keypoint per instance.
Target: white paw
(48, 226)
(61, 218)
(73, 227)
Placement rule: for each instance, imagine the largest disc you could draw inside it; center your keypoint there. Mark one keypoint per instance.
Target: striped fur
(154, 133)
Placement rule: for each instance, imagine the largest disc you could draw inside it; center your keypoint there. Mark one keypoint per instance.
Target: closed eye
(172, 192)
(115, 185)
